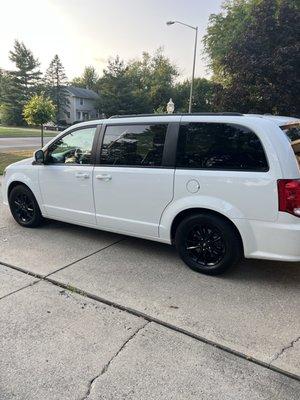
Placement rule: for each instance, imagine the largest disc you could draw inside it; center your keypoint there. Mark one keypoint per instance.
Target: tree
(55, 83)
(140, 86)
(204, 95)
(19, 85)
(38, 111)
(3, 84)
(7, 115)
(88, 80)
(154, 77)
(118, 92)
(254, 51)
(27, 75)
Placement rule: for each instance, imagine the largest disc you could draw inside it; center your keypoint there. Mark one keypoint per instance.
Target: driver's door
(66, 177)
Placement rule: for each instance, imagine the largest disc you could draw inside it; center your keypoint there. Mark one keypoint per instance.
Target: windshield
(293, 133)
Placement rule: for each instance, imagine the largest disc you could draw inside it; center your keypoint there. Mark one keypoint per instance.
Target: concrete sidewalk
(57, 344)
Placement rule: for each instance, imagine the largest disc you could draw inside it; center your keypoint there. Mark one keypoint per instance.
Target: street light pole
(193, 73)
(194, 59)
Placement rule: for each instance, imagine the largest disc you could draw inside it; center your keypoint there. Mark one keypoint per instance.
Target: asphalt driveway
(101, 316)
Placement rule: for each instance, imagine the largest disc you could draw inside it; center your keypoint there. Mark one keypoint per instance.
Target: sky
(89, 32)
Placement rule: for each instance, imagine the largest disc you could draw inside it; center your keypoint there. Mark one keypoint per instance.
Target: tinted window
(74, 148)
(134, 145)
(219, 146)
(292, 131)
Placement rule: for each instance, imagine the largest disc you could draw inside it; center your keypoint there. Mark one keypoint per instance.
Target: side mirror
(39, 157)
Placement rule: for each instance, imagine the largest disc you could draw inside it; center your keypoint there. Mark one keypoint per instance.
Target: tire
(24, 207)
(207, 244)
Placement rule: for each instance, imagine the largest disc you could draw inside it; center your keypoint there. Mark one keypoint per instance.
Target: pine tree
(27, 74)
(4, 78)
(55, 82)
(19, 85)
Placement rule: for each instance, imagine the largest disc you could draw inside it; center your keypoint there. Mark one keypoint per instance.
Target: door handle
(104, 177)
(81, 175)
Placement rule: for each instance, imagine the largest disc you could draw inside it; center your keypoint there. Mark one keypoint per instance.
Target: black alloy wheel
(24, 207)
(208, 243)
(205, 245)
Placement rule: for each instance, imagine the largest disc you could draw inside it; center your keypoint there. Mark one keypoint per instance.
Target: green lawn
(10, 131)
(11, 157)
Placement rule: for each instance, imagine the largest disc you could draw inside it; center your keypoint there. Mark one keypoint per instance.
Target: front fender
(30, 179)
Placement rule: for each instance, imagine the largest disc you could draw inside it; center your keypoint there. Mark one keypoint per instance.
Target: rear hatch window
(293, 133)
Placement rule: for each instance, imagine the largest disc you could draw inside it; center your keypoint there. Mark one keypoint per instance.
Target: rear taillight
(289, 196)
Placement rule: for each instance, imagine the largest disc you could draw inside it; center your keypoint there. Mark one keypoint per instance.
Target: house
(81, 105)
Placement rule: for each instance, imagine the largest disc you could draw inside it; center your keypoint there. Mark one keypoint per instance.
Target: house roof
(83, 93)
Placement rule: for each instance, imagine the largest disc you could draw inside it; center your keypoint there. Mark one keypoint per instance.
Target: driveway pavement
(18, 143)
(90, 315)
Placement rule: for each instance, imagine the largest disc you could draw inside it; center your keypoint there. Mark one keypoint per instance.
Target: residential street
(92, 315)
(18, 143)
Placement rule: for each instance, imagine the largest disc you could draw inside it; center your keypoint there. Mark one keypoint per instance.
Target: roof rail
(179, 114)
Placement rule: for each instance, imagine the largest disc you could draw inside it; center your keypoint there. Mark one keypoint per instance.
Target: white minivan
(218, 186)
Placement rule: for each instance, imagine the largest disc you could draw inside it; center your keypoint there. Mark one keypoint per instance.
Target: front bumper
(4, 190)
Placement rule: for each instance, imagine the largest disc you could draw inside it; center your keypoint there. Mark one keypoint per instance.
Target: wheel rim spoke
(194, 247)
(205, 245)
(24, 208)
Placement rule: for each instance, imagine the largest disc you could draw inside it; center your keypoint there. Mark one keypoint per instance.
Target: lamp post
(170, 107)
(195, 28)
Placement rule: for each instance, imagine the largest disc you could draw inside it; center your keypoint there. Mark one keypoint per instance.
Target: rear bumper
(278, 240)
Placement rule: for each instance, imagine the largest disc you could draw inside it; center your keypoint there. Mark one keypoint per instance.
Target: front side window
(134, 145)
(74, 148)
(219, 146)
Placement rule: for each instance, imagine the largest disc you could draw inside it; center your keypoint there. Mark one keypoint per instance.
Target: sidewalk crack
(83, 258)
(107, 365)
(283, 350)
(19, 290)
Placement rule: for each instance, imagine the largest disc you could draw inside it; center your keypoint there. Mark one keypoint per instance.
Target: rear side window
(293, 133)
(134, 145)
(220, 147)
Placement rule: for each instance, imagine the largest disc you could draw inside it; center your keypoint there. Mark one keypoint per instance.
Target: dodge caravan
(217, 186)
